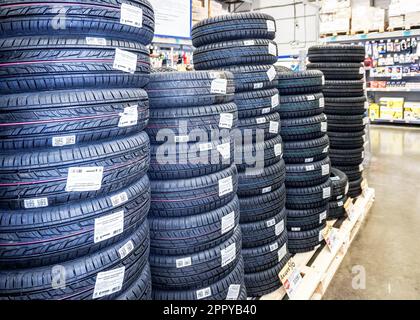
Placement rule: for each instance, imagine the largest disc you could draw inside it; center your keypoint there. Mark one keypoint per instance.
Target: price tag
(131, 15)
(228, 222)
(278, 149)
(275, 101)
(183, 262)
(126, 249)
(63, 141)
(290, 277)
(218, 86)
(108, 282)
(35, 203)
(225, 186)
(92, 41)
(108, 226)
(129, 117)
(125, 61)
(325, 169)
(258, 85)
(272, 49)
(274, 127)
(226, 120)
(271, 26)
(330, 236)
(81, 179)
(233, 292)
(271, 73)
(228, 254)
(249, 42)
(224, 150)
(203, 293)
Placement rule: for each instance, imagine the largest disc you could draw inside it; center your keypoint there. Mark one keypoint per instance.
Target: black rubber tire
(249, 78)
(306, 151)
(183, 197)
(235, 53)
(141, 289)
(309, 197)
(307, 175)
(257, 103)
(262, 207)
(54, 118)
(355, 188)
(259, 233)
(47, 236)
(347, 157)
(298, 106)
(336, 53)
(44, 173)
(339, 71)
(345, 106)
(169, 124)
(267, 126)
(266, 256)
(255, 182)
(304, 220)
(239, 26)
(352, 172)
(184, 161)
(337, 88)
(301, 82)
(305, 241)
(91, 18)
(339, 182)
(80, 274)
(347, 140)
(339, 123)
(216, 291)
(304, 128)
(52, 63)
(336, 209)
(189, 89)
(185, 235)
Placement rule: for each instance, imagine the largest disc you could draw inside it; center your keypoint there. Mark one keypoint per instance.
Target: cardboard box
(396, 22)
(367, 18)
(339, 21)
(391, 108)
(332, 6)
(412, 110)
(374, 111)
(412, 19)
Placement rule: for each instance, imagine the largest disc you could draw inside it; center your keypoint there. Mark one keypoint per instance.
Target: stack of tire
(194, 215)
(345, 101)
(306, 144)
(339, 190)
(74, 194)
(242, 44)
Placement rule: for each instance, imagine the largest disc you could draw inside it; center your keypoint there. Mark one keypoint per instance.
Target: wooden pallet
(353, 32)
(334, 34)
(319, 266)
(403, 28)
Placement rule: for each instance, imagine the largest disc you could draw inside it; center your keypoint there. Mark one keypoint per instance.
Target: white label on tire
(125, 61)
(279, 228)
(81, 179)
(295, 229)
(366, 105)
(228, 254)
(346, 190)
(224, 150)
(326, 193)
(326, 149)
(249, 42)
(225, 186)
(265, 110)
(35, 203)
(131, 15)
(335, 178)
(320, 237)
(219, 86)
(323, 80)
(321, 102)
(266, 190)
(258, 85)
(271, 26)
(233, 292)
(260, 120)
(340, 203)
(203, 293)
(282, 252)
(126, 249)
(309, 160)
(272, 49)
(270, 223)
(108, 282)
(274, 246)
(278, 149)
(361, 167)
(129, 117)
(310, 168)
(275, 101)
(324, 127)
(274, 127)
(181, 139)
(184, 262)
(108, 226)
(364, 138)
(119, 199)
(205, 146)
(271, 73)
(363, 154)
(339, 197)
(226, 120)
(63, 141)
(92, 41)
(365, 120)
(228, 222)
(325, 169)
(362, 70)
(322, 216)
(310, 98)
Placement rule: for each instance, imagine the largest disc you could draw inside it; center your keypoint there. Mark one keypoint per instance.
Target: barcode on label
(84, 179)
(108, 282)
(131, 15)
(128, 117)
(225, 186)
(108, 226)
(126, 249)
(35, 203)
(184, 262)
(63, 141)
(203, 293)
(119, 199)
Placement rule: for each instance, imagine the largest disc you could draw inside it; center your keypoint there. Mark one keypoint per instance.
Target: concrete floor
(387, 246)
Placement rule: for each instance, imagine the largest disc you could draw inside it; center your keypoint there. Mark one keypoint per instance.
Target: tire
(347, 140)
(250, 78)
(336, 53)
(262, 207)
(336, 209)
(339, 123)
(202, 268)
(269, 125)
(215, 291)
(298, 106)
(349, 157)
(259, 233)
(48, 63)
(355, 188)
(304, 128)
(256, 182)
(337, 88)
(340, 185)
(189, 234)
(184, 161)
(339, 71)
(235, 53)
(345, 106)
(95, 18)
(305, 220)
(306, 151)
(352, 172)
(239, 26)
(307, 175)
(174, 125)
(190, 89)
(141, 289)
(59, 118)
(261, 258)
(183, 197)
(303, 82)
(80, 274)
(305, 241)
(48, 236)
(257, 103)
(309, 197)
(26, 178)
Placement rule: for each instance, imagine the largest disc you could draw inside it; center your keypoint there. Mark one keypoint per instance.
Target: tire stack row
(194, 214)
(345, 106)
(306, 145)
(74, 194)
(242, 44)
